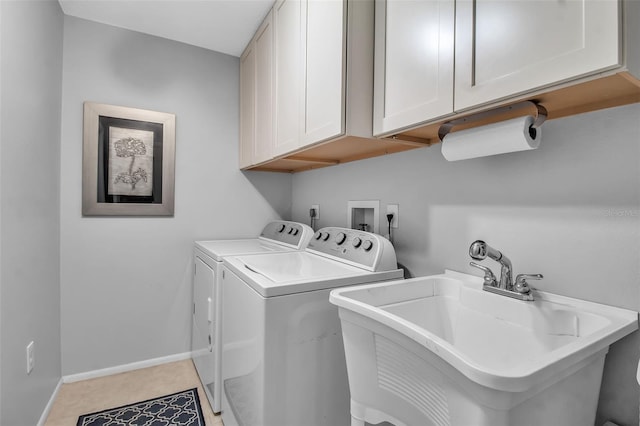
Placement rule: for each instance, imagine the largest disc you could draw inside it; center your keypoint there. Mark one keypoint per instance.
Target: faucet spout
(479, 250)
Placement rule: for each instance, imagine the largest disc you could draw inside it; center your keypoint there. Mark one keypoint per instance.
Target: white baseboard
(47, 409)
(125, 367)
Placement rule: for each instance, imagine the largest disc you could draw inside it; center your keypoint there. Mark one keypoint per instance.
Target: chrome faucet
(479, 250)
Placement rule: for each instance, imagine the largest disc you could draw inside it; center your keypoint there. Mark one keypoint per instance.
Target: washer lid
(218, 249)
(276, 274)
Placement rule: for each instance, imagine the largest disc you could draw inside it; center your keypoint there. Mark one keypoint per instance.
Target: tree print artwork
(130, 147)
(130, 162)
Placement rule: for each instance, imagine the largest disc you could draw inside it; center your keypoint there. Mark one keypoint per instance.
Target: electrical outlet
(30, 357)
(316, 207)
(393, 209)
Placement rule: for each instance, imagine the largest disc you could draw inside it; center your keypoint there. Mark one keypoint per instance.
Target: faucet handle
(522, 286)
(489, 277)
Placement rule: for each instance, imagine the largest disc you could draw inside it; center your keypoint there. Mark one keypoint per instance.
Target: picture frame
(128, 161)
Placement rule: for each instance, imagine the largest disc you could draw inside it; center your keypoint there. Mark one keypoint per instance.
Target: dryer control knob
(341, 238)
(367, 245)
(318, 235)
(281, 228)
(326, 237)
(295, 231)
(290, 231)
(357, 242)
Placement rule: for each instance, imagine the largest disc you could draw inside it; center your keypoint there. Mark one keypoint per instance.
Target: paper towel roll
(497, 138)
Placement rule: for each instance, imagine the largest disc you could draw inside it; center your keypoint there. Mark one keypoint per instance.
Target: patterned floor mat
(178, 409)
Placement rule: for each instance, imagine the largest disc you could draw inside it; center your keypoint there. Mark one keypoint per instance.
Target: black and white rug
(178, 409)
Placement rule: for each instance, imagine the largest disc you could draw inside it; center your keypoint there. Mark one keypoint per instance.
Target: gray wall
(569, 210)
(126, 282)
(31, 77)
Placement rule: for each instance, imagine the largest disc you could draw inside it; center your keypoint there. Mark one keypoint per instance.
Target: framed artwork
(128, 161)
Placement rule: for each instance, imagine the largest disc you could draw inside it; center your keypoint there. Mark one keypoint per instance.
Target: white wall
(30, 93)
(126, 282)
(569, 210)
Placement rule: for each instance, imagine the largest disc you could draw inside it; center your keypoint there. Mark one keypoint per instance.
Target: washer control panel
(359, 247)
(293, 233)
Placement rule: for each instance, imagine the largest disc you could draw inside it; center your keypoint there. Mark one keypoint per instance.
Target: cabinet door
(323, 39)
(247, 106)
(288, 61)
(506, 47)
(413, 62)
(264, 91)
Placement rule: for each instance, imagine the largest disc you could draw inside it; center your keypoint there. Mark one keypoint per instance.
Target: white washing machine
(277, 236)
(282, 353)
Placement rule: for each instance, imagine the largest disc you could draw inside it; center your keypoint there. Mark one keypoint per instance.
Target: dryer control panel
(359, 248)
(293, 233)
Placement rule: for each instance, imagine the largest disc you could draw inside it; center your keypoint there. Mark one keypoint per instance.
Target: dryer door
(202, 335)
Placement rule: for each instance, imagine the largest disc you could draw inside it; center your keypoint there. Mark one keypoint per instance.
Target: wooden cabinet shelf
(600, 93)
(606, 92)
(335, 152)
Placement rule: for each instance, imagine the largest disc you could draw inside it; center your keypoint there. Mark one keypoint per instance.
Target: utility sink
(439, 350)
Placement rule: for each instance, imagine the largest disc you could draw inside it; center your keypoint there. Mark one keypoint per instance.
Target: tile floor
(88, 396)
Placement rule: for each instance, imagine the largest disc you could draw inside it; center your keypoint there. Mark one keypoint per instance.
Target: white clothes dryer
(283, 360)
(277, 236)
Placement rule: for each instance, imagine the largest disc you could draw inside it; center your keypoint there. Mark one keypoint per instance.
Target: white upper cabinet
(247, 106)
(313, 93)
(323, 38)
(322, 64)
(506, 47)
(287, 19)
(264, 91)
(256, 97)
(413, 62)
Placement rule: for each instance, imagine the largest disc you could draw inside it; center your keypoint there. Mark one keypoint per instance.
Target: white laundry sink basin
(439, 348)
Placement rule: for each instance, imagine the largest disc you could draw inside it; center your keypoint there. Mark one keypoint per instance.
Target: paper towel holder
(541, 116)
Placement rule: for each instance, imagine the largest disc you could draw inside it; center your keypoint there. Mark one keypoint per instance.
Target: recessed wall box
(364, 215)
